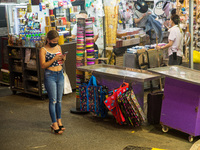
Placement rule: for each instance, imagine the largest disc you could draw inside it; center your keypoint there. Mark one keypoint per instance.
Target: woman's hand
(149, 13)
(58, 57)
(63, 57)
(158, 47)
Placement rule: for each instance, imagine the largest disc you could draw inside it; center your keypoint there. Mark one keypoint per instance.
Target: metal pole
(104, 33)
(191, 8)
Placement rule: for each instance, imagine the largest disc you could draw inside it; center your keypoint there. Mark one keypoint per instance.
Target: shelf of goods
(26, 76)
(85, 54)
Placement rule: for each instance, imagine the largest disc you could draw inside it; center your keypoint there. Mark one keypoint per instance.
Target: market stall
(113, 76)
(180, 106)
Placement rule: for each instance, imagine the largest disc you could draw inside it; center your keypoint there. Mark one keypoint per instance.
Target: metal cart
(181, 103)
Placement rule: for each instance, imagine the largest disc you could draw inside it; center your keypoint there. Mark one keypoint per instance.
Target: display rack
(26, 75)
(84, 54)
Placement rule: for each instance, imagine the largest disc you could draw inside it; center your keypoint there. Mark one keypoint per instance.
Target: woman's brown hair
(175, 19)
(52, 34)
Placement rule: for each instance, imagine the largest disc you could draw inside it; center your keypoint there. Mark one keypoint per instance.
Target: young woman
(51, 60)
(175, 45)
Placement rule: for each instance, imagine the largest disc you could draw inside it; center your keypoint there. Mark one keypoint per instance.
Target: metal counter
(113, 77)
(181, 103)
(121, 72)
(180, 73)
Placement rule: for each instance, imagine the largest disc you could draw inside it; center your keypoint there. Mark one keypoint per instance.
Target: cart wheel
(190, 138)
(165, 129)
(14, 92)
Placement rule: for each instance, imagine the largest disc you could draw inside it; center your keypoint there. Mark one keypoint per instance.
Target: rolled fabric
(90, 51)
(77, 54)
(90, 58)
(90, 54)
(80, 44)
(91, 63)
(89, 34)
(89, 44)
(80, 36)
(80, 48)
(89, 31)
(89, 38)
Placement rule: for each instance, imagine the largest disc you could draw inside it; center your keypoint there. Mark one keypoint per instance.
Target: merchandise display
(111, 18)
(85, 48)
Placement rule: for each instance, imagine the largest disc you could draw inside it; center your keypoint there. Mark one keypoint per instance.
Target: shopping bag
(131, 113)
(130, 107)
(112, 104)
(92, 97)
(83, 97)
(134, 102)
(67, 85)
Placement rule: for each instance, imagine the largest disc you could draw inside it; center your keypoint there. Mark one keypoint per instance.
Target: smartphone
(65, 53)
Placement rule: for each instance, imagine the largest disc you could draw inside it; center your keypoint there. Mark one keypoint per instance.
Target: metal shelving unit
(23, 77)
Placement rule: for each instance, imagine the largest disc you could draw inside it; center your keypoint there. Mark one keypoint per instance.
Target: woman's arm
(166, 46)
(137, 20)
(63, 56)
(43, 63)
(96, 37)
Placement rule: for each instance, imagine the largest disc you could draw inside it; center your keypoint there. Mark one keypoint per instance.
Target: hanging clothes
(156, 25)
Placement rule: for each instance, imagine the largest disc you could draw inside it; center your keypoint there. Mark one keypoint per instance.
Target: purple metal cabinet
(180, 107)
(181, 103)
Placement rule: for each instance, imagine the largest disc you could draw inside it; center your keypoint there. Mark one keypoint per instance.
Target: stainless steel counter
(122, 72)
(180, 73)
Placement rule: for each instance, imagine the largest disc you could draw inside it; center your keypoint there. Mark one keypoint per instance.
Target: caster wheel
(165, 129)
(190, 138)
(14, 92)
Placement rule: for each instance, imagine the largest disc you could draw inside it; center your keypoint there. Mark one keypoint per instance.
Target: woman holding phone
(51, 59)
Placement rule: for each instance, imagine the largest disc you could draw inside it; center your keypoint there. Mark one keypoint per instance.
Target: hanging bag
(92, 97)
(67, 85)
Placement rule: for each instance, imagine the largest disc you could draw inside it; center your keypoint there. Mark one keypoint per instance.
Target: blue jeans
(54, 84)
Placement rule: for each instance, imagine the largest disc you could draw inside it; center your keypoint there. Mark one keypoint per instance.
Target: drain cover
(136, 148)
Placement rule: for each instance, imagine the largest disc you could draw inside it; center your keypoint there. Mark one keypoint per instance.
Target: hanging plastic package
(196, 57)
(55, 3)
(29, 8)
(60, 3)
(40, 6)
(51, 6)
(65, 5)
